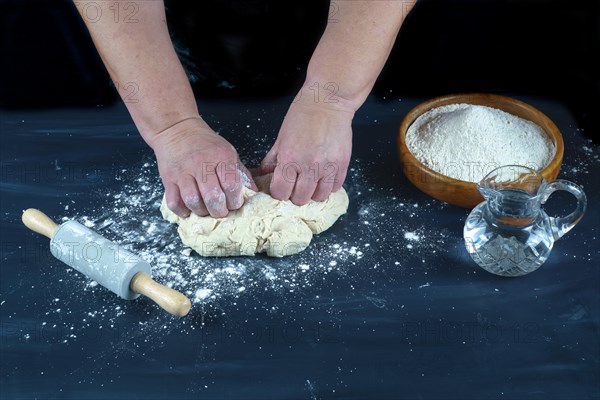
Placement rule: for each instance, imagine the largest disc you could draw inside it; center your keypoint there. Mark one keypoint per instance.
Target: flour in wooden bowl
(465, 141)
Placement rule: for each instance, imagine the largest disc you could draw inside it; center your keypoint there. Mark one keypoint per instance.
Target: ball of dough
(261, 225)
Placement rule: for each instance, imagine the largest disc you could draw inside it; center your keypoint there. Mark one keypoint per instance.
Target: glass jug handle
(562, 225)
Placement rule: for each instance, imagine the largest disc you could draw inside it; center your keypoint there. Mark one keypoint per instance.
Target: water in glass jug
(509, 234)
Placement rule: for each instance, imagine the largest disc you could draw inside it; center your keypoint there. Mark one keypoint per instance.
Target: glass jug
(509, 234)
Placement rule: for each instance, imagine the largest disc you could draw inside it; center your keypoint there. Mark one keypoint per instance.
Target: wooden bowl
(463, 193)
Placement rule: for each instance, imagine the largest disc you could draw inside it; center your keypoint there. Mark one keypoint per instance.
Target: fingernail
(183, 214)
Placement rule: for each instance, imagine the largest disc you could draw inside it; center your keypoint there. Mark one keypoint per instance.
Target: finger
(192, 198)
(269, 163)
(247, 176)
(283, 181)
(213, 196)
(231, 183)
(188, 188)
(340, 176)
(174, 201)
(304, 189)
(323, 190)
(201, 211)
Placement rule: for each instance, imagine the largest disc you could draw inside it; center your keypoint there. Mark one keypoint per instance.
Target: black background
(261, 48)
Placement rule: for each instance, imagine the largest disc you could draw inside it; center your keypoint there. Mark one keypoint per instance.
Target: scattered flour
(227, 293)
(202, 294)
(217, 284)
(465, 141)
(411, 236)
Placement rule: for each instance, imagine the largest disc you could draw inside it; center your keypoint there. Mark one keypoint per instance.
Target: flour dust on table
(385, 223)
(341, 255)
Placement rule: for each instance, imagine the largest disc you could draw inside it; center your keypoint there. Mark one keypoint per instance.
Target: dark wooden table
(407, 319)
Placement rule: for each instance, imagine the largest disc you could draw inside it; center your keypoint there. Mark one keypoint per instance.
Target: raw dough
(263, 224)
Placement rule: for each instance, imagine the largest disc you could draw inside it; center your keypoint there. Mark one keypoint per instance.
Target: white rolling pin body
(98, 258)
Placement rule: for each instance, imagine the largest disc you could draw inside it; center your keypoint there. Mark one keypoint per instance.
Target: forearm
(142, 62)
(355, 46)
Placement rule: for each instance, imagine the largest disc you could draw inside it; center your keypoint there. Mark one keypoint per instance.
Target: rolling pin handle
(39, 222)
(169, 299)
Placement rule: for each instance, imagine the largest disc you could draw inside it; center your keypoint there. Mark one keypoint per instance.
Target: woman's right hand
(200, 170)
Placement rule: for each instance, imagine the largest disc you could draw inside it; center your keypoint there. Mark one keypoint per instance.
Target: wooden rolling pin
(113, 267)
